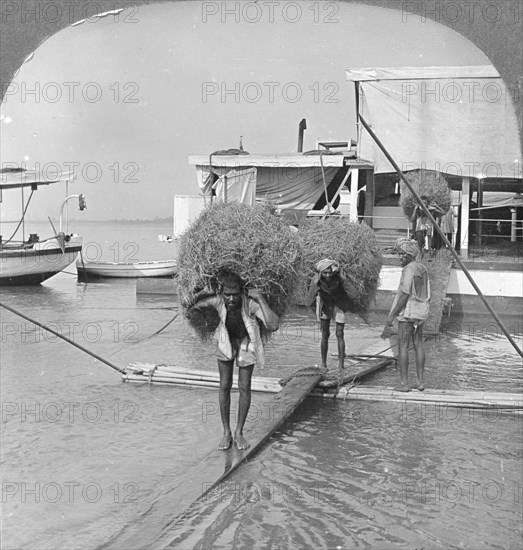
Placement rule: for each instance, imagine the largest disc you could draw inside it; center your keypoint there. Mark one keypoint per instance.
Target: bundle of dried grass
(232, 237)
(426, 183)
(353, 246)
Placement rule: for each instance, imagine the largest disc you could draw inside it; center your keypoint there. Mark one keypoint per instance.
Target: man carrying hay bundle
(332, 294)
(411, 308)
(238, 342)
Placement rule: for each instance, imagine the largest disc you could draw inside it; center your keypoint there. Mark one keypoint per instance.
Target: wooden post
(513, 224)
(465, 209)
(353, 207)
(369, 198)
(479, 236)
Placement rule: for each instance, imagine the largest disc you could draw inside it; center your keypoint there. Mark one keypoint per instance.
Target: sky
(124, 99)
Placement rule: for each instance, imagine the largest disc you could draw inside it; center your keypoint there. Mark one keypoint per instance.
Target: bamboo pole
(327, 204)
(12, 310)
(442, 235)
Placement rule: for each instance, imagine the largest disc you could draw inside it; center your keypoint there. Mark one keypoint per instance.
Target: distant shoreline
(78, 220)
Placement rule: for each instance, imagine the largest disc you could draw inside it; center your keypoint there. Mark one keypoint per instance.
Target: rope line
(27, 318)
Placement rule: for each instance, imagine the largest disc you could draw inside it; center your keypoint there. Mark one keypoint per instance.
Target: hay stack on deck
(429, 184)
(353, 246)
(232, 237)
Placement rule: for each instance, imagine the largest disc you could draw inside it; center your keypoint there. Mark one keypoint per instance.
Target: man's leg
(225, 368)
(324, 346)
(403, 354)
(341, 345)
(417, 340)
(244, 385)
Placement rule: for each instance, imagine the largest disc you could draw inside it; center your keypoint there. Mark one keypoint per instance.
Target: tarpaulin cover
(456, 120)
(289, 187)
(500, 200)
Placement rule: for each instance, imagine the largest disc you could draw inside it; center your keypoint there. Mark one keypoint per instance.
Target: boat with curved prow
(32, 261)
(126, 270)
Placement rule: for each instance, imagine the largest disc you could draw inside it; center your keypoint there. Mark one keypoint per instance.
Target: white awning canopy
(455, 120)
(293, 181)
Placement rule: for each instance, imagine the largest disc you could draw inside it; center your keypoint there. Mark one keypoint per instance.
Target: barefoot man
(332, 294)
(411, 308)
(238, 341)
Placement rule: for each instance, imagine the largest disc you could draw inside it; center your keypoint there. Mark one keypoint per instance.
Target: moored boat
(32, 261)
(126, 270)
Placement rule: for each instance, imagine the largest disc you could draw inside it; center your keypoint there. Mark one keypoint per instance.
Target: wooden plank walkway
(218, 465)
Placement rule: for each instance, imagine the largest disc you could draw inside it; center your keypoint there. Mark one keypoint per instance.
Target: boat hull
(163, 268)
(34, 265)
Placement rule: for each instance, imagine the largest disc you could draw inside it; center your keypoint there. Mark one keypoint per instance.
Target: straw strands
(352, 245)
(247, 240)
(429, 184)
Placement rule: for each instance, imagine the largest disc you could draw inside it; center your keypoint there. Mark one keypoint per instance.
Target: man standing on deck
(238, 341)
(411, 307)
(332, 294)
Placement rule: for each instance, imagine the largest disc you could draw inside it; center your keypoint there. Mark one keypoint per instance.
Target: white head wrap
(324, 264)
(408, 246)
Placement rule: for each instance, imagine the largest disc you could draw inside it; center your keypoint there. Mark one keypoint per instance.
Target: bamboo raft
(178, 376)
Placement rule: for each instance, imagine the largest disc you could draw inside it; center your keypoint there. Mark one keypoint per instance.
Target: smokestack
(301, 128)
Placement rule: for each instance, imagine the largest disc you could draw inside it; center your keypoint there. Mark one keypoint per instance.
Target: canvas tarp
(456, 120)
(289, 187)
(501, 200)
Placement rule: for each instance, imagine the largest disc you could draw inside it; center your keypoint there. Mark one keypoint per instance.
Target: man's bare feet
(241, 442)
(225, 443)
(402, 388)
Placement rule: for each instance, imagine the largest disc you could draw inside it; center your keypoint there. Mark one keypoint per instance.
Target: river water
(91, 462)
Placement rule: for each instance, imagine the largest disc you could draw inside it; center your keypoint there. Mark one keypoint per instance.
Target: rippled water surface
(91, 462)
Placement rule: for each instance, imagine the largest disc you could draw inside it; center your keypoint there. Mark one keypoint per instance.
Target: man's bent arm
(269, 318)
(402, 302)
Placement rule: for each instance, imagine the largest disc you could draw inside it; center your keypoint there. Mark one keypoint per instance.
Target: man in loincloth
(332, 293)
(238, 342)
(411, 308)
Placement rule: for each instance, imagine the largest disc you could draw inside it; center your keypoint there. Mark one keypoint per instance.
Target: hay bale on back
(247, 240)
(353, 246)
(426, 183)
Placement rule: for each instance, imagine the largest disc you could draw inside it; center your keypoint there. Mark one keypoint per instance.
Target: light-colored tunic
(414, 282)
(250, 349)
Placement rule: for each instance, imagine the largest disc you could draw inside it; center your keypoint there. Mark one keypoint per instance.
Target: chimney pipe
(301, 129)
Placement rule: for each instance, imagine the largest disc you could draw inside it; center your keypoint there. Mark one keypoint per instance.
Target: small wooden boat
(126, 270)
(29, 263)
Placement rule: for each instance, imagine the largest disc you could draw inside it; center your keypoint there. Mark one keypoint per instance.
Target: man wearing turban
(411, 308)
(332, 294)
